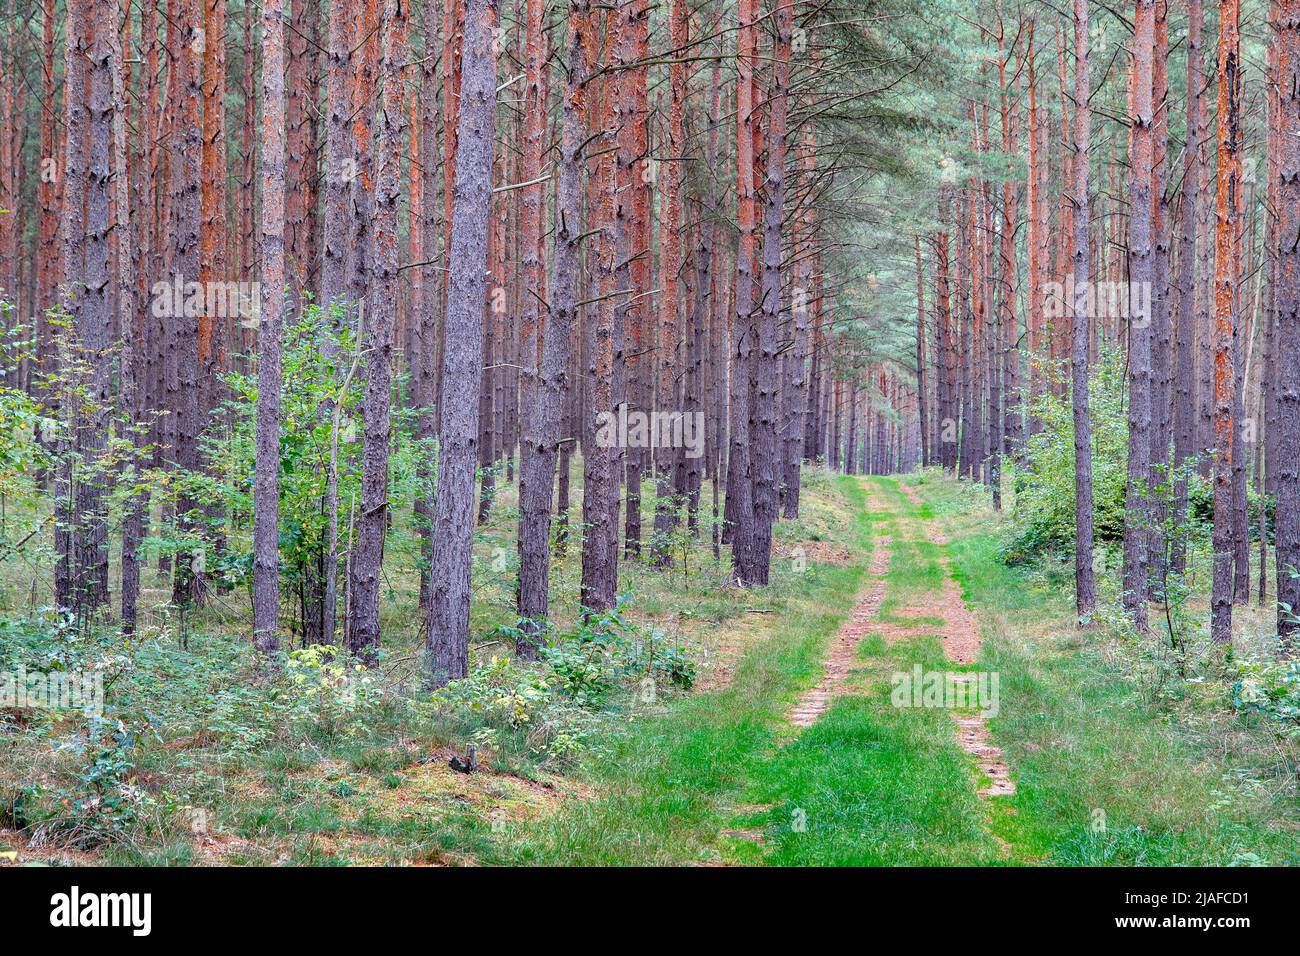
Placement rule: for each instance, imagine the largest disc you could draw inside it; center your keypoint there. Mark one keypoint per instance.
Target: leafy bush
(1269, 687)
(1043, 520)
(102, 804)
(554, 707)
(324, 690)
(320, 352)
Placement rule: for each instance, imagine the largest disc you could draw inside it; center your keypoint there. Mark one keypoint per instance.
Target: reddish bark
(1226, 268)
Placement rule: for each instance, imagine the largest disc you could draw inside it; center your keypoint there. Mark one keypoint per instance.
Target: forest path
(885, 774)
(961, 645)
(843, 651)
(888, 758)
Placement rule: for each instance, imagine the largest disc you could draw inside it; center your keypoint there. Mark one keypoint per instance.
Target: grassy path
(1099, 778)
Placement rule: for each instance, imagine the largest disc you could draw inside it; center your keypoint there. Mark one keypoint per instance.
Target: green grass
(871, 784)
(668, 787)
(718, 775)
(1174, 785)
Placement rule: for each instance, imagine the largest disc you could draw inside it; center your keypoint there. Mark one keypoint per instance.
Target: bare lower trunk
(1084, 583)
(447, 645)
(1287, 341)
(544, 413)
(372, 520)
(266, 477)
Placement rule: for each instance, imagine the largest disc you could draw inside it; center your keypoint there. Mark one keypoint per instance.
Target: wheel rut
(961, 645)
(843, 652)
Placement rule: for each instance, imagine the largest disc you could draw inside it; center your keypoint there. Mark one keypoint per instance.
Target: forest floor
(792, 749)
(1078, 766)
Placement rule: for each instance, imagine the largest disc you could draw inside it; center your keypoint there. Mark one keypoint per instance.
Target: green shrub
(1043, 519)
(1271, 688)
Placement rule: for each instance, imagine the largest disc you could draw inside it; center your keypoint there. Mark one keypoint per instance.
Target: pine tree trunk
(1185, 406)
(1161, 320)
(462, 366)
(1286, 23)
(372, 519)
(1084, 583)
(1225, 318)
(544, 413)
(1142, 164)
(266, 478)
(600, 480)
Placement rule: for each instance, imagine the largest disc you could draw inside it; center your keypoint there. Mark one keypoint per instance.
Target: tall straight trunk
(214, 330)
(971, 295)
(302, 159)
(1286, 23)
(453, 42)
(1272, 426)
(11, 115)
(1003, 394)
(1185, 408)
(1085, 585)
(185, 176)
(948, 377)
(364, 44)
(531, 214)
(1034, 238)
(72, 233)
(372, 519)
(462, 367)
(1137, 508)
(266, 476)
(1225, 316)
(600, 480)
(766, 459)
(1240, 345)
(340, 163)
(795, 386)
(920, 357)
(130, 184)
(635, 185)
(740, 502)
(1161, 319)
(1004, 330)
(851, 442)
(248, 172)
(95, 318)
(212, 197)
(425, 338)
(1203, 295)
(718, 352)
(131, 304)
(1060, 336)
(706, 308)
(544, 413)
(665, 459)
(47, 263)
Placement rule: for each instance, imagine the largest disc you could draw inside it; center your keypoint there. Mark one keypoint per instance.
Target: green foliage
(1043, 519)
(321, 689)
(102, 804)
(1269, 687)
(321, 376)
(602, 663)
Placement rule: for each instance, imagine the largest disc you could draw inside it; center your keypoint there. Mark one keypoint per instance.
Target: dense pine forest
(725, 432)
